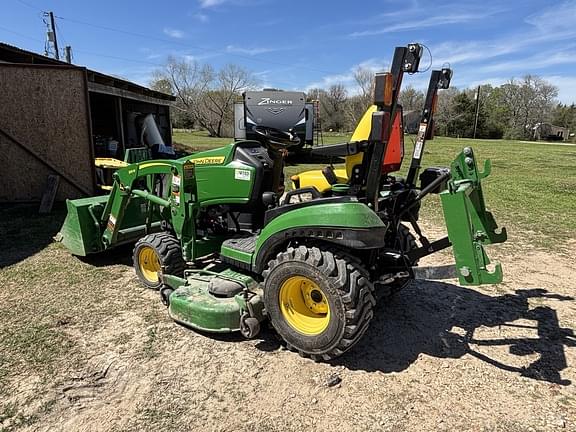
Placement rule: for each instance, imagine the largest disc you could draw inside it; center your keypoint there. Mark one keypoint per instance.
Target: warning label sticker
(111, 223)
(420, 140)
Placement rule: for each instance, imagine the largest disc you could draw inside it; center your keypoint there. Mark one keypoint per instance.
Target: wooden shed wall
(45, 108)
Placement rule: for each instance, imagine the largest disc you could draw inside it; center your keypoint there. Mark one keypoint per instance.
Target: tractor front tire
(154, 252)
(319, 300)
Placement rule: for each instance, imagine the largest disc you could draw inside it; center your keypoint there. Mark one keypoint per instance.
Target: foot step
(244, 243)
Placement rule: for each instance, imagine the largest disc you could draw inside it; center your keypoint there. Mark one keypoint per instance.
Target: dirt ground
(86, 348)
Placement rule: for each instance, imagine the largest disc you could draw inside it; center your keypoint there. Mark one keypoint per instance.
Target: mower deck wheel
(249, 327)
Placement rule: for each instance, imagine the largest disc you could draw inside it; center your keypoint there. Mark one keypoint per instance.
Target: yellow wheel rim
(149, 264)
(304, 305)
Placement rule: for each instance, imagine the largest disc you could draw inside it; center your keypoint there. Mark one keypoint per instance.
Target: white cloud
(372, 64)
(210, 3)
(538, 61)
(174, 33)
(248, 51)
(493, 81)
(417, 16)
(418, 24)
(566, 87)
(542, 45)
(554, 18)
(460, 52)
(262, 74)
(347, 78)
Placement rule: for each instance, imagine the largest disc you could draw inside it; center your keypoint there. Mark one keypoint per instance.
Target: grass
(532, 188)
(199, 140)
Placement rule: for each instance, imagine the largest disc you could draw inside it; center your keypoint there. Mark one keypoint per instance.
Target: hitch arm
(386, 91)
(440, 79)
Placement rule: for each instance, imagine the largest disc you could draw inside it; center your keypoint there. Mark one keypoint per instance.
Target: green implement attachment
(81, 233)
(470, 226)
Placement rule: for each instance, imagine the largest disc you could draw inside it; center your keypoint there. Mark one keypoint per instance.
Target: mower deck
(214, 301)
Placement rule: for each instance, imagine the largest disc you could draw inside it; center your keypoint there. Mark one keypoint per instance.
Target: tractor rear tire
(154, 252)
(319, 300)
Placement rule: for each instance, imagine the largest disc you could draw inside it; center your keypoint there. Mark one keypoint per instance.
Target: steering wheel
(276, 138)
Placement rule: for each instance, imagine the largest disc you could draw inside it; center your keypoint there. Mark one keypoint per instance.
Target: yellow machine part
(304, 305)
(149, 264)
(361, 133)
(316, 179)
(107, 166)
(109, 163)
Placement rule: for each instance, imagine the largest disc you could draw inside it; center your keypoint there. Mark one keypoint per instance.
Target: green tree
(463, 124)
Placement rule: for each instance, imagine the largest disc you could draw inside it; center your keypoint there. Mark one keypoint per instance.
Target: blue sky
(302, 44)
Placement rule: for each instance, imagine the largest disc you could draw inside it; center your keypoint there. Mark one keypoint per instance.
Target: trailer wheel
(153, 252)
(318, 300)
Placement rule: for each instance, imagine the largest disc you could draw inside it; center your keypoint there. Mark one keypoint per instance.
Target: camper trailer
(284, 110)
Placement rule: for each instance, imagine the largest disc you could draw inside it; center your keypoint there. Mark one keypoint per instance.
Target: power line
(119, 58)
(103, 55)
(28, 5)
(129, 60)
(21, 35)
(187, 45)
(169, 41)
(83, 51)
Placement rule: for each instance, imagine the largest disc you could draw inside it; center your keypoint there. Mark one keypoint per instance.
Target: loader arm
(135, 206)
(177, 205)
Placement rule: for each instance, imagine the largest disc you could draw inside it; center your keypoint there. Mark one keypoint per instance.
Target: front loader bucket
(470, 226)
(81, 232)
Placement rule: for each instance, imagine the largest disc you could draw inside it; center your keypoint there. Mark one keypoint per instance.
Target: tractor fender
(351, 225)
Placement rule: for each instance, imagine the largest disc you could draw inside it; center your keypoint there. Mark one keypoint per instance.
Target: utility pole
(68, 53)
(51, 36)
(477, 111)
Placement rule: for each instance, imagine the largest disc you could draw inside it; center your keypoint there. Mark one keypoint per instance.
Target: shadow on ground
(24, 232)
(118, 255)
(440, 319)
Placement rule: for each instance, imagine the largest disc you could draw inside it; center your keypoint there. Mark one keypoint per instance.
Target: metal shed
(55, 117)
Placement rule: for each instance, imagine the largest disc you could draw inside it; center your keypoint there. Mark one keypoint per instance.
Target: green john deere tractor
(226, 249)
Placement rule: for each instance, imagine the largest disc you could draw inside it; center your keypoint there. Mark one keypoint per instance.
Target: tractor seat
(321, 180)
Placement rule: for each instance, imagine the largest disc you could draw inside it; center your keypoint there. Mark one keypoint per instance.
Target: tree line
(205, 99)
(204, 96)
